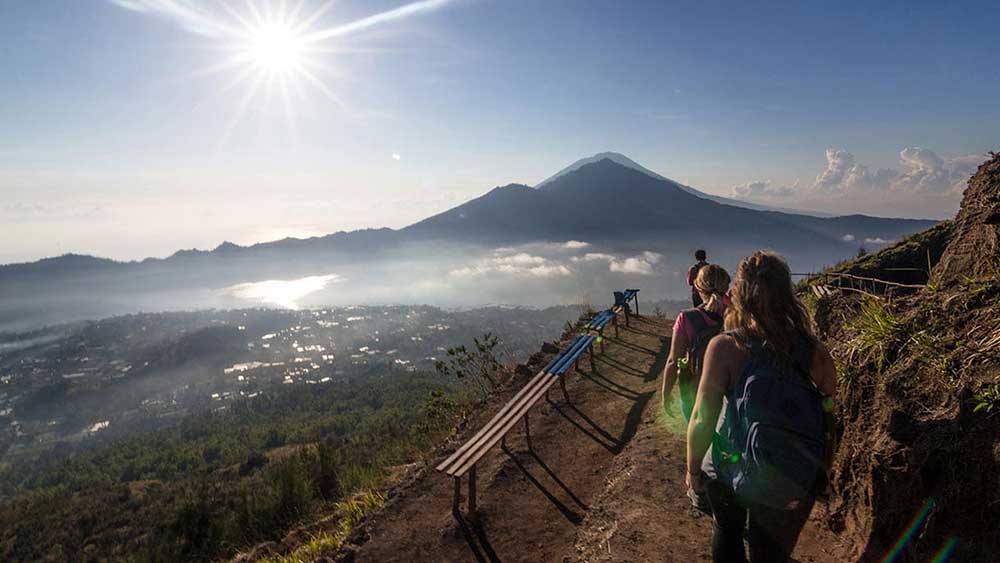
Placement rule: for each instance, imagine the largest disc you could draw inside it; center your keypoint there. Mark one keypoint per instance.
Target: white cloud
(922, 172)
(847, 238)
(843, 174)
(762, 189)
(641, 264)
(521, 264)
(593, 256)
(877, 240)
(926, 172)
(395, 156)
(575, 244)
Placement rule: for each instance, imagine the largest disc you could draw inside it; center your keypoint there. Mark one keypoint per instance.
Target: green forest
(223, 481)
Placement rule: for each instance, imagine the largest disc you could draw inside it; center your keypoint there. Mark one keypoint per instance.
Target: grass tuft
(876, 329)
(352, 511)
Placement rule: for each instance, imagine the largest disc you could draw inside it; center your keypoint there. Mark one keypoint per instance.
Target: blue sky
(116, 142)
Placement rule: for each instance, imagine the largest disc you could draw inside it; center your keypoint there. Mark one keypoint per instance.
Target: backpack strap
(716, 318)
(695, 319)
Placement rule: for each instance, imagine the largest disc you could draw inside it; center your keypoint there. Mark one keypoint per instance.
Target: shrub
(479, 368)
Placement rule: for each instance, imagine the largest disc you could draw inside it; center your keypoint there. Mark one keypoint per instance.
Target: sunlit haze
(135, 128)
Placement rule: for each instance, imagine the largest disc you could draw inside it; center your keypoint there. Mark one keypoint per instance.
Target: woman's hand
(695, 482)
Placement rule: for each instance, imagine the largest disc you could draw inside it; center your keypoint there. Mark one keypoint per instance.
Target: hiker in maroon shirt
(700, 256)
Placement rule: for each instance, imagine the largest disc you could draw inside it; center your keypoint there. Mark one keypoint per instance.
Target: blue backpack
(778, 430)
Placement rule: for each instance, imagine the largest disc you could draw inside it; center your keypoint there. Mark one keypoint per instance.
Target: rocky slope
(920, 391)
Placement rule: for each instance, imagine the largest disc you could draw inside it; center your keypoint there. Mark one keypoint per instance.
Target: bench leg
(473, 516)
(636, 304)
(456, 503)
(601, 334)
(592, 368)
(562, 385)
(617, 335)
(527, 433)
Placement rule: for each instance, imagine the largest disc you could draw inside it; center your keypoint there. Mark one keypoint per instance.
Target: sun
(274, 51)
(275, 47)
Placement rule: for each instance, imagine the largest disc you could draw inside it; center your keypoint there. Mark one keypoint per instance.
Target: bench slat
(579, 345)
(586, 343)
(506, 408)
(601, 320)
(550, 367)
(501, 430)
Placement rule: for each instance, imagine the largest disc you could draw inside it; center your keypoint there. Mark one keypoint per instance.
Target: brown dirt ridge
(920, 390)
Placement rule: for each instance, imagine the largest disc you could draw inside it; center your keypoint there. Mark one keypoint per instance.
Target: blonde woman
(770, 454)
(692, 331)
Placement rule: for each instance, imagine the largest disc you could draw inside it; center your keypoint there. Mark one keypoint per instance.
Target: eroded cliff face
(914, 369)
(974, 250)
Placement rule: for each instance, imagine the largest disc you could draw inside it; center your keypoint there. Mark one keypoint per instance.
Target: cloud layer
(923, 178)
(550, 260)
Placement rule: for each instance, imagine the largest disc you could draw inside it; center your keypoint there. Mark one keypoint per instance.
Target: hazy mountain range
(607, 201)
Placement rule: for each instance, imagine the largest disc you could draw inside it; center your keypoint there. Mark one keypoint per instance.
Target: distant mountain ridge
(605, 197)
(605, 200)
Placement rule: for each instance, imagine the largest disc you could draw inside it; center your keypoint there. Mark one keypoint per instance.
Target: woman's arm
(824, 375)
(715, 376)
(678, 349)
(824, 371)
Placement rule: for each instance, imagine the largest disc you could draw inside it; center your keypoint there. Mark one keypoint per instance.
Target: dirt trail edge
(603, 482)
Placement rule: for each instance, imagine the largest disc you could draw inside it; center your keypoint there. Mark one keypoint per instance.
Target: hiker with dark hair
(773, 382)
(700, 262)
(692, 331)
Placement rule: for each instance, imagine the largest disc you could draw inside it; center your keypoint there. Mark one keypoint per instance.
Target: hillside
(920, 384)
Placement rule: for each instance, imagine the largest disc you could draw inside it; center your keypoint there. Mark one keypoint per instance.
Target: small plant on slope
(875, 330)
(987, 400)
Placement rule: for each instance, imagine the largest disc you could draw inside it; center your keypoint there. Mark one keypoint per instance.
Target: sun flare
(276, 51)
(275, 48)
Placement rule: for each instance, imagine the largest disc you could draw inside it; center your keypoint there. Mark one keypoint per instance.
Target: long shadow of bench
(462, 462)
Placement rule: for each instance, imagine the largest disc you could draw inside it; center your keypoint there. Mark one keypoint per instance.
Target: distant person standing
(701, 262)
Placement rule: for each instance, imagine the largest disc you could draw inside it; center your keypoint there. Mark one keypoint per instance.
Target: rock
(974, 250)
(550, 348)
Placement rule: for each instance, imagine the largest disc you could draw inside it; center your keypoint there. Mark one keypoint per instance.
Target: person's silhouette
(700, 257)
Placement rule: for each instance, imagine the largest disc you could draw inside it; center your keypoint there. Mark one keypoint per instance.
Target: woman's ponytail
(713, 282)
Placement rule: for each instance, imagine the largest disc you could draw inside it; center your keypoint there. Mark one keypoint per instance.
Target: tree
(479, 368)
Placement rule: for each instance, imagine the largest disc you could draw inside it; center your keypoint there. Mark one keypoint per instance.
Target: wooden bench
(621, 302)
(464, 460)
(600, 322)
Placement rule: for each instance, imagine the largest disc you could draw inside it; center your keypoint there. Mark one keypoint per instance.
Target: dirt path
(603, 482)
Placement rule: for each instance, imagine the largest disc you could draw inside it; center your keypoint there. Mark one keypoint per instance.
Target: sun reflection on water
(282, 293)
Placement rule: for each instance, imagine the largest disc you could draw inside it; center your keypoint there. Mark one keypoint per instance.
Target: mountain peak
(615, 157)
(227, 246)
